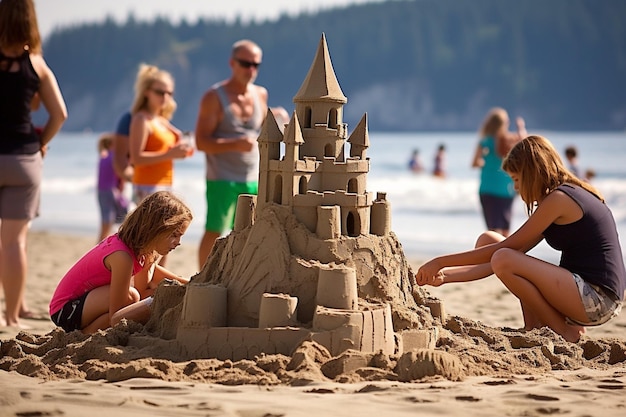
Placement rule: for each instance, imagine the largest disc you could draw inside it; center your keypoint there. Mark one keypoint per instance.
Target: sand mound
(465, 348)
(278, 255)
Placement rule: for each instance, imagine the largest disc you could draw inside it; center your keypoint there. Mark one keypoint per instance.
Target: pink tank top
(89, 272)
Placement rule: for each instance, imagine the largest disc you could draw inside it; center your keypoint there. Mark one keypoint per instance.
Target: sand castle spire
(270, 132)
(293, 139)
(293, 133)
(321, 82)
(359, 139)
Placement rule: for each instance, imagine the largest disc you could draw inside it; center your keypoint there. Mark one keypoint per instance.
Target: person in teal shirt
(496, 190)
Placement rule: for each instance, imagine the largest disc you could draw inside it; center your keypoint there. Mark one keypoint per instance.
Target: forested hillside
(411, 65)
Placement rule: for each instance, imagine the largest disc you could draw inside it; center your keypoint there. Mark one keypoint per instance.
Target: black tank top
(590, 246)
(17, 134)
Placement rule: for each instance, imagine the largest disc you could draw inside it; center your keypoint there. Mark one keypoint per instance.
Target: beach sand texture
(492, 369)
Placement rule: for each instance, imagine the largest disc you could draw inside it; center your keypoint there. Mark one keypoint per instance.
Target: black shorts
(69, 317)
(496, 211)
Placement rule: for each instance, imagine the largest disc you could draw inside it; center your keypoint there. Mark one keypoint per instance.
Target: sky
(53, 14)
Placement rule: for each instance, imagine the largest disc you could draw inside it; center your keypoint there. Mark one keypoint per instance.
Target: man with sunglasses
(229, 122)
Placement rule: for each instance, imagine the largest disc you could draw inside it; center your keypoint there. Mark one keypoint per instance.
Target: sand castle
(312, 257)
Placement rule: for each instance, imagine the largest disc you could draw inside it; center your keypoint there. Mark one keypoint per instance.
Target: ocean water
(430, 216)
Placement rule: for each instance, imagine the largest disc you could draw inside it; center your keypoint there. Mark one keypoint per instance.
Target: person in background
(111, 200)
(154, 142)
(117, 278)
(571, 154)
(415, 163)
(121, 154)
(590, 174)
(439, 166)
(496, 190)
(229, 121)
(587, 287)
(25, 81)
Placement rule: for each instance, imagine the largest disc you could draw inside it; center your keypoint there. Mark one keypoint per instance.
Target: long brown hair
(540, 170)
(158, 215)
(18, 25)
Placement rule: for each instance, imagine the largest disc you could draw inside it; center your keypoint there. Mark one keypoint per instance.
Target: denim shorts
(113, 206)
(600, 305)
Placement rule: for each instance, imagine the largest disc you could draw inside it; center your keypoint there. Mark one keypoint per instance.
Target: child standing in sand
(116, 278)
(111, 200)
(587, 288)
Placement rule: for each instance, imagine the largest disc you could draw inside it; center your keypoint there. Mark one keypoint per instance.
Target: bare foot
(573, 333)
(18, 325)
(27, 314)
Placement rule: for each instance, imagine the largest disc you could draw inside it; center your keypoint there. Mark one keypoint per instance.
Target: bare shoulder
(262, 92)
(118, 260)
(139, 117)
(210, 97)
(558, 202)
(565, 208)
(40, 65)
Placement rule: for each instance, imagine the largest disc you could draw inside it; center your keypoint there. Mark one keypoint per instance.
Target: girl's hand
(430, 273)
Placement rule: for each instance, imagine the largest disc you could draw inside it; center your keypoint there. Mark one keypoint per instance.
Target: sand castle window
(302, 187)
(278, 190)
(328, 150)
(307, 117)
(353, 228)
(353, 186)
(332, 119)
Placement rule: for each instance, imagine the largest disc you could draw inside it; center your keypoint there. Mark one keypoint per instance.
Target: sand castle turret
(312, 257)
(314, 170)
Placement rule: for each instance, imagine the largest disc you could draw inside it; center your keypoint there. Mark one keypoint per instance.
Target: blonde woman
(587, 287)
(496, 190)
(25, 82)
(154, 140)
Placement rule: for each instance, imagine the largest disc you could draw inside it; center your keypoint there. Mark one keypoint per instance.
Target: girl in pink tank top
(116, 279)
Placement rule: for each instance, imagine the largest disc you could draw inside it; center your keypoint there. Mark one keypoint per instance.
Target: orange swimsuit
(160, 139)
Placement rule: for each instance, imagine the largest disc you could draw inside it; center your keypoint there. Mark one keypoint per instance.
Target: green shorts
(221, 198)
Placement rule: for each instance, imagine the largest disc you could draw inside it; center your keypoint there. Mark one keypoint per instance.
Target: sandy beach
(584, 379)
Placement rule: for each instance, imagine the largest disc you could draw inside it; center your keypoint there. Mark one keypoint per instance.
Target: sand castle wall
(339, 322)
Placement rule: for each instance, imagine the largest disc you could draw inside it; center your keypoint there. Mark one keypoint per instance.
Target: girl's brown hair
(146, 76)
(157, 216)
(18, 25)
(540, 170)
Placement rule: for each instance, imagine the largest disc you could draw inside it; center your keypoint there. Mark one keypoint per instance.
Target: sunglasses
(247, 64)
(162, 93)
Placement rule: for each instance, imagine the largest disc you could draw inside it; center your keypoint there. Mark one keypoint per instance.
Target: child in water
(587, 287)
(116, 279)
